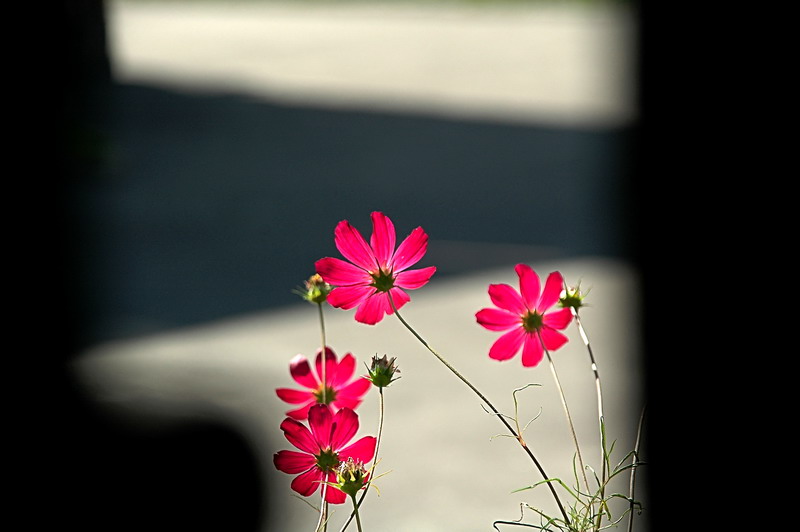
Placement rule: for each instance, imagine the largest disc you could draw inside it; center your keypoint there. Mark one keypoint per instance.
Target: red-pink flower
(322, 450)
(525, 316)
(340, 391)
(377, 269)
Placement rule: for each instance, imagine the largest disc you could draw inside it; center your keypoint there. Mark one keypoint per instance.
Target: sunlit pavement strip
(447, 470)
(569, 64)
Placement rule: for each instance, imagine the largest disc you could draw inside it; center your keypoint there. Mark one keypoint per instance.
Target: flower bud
(316, 290)
(351, 476)
(572, 297)
(382, 371)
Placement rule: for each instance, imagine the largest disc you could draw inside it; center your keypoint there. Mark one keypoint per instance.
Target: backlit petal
(352, 245)
(320, 421)
(347, 297)
(507, 345)
(496, 319)
(294, 397)
(411, 250)
(383, 238)
(344, 371)
(302, 412)
(552, 338)
(363, 449)
(293, 462)
(551, 293)
(300, 370)
(505, 297)
(307, 483)
(299, 436)
(344, 427)
(331, 364)
(399, 297)
(532, 352)
(334, 495)
(413, 279)
(372, 309)
(341, 273)
(558, 319)
(354, 390)
(529, 285)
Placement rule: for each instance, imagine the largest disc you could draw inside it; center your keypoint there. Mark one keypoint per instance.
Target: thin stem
(322, 524)
(566, 411)
(600, 416)
(374, 460)
(634, 465)
(323, 512)
(355, 511)
(485, 400)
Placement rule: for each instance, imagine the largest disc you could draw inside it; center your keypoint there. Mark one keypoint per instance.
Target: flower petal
(294, 397)
(352, 245)
(299, 436)
(354, 390)
(344, 372)
(363, 449)
(551, 293)
(293, 462)
(507, 298)
(532, 352)
(307, 483)
(334, 495)
(552, 339)
(413, 279)
(320, 421)
(507, 345)
(529, 285)
(302, 412)
(331, 364)
(372, 309)
(300, 370)
(399, 297)
(341, 273)
(343, 428)
(382, 239)
(558, 319)
(347, 297)
(410, 251)
(495, 319)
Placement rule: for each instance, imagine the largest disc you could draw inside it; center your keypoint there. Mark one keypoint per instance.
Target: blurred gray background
(211, 148)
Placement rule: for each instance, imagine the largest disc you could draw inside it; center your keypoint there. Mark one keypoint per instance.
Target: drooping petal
(532, 352)
(354, 390)
(399, 297)
(372, 309)
(529, 285)
(343, 428)
(551, 292)
(413, 279)
(344, 371)
(347, 297)
(294, 397)
(299, 436)
(552, 339)
(331, 364)
(352, 245)
(300, 370)
(347, 402)
(495, 319)
(334, 495)
(341, 273)
(558, 319)
(363, 450)
(302, 412)
(411, 250)
(382, 239)
(307, 483)
(293, 462)
(506, 298)
(507, 345)
(320, 420)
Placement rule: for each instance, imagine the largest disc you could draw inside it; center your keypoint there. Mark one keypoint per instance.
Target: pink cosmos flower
(322, 450)
(525, 316)
(377, 270)
(340, 392)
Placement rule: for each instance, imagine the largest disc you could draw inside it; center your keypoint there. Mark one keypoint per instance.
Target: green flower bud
(351, 476)
(382, 371)
(316, 290)
(572, 297)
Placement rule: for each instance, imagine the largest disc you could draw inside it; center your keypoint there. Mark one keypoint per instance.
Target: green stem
(355, 511)
(322, 524)
(634, 465)
(488, 403)
(323, 512)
